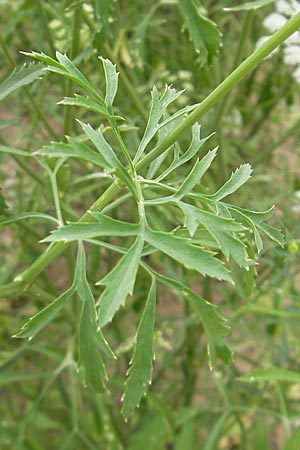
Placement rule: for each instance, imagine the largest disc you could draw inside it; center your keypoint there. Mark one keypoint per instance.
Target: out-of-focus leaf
(293, 442)
(214, 325)
(43, 317)
(140, 371)
(26, 75)
(111, 80)
(237, 179)
(271, 374)
(106, 226)
(203, 32)
(119, 282)
(14, 151)
(3, 205)
(158, 107)
(32, 215)
(248, 6)
(187, 254)
(103, 15)
(257, 309)
(8, 377)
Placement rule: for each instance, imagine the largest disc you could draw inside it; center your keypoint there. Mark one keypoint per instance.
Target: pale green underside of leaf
(189, 255)
(42, 318)
(248, 6)
(158, 107)
(89, 347)
(203, 32)
(105, 226)
(22, 77)
(237, 179)
(194, 147)
(140, 371)
(111, 81)
(271, 374)
(84, 102)
(73, 150)
(214, 325)
(223, 230)
(63, 66)
(119, 283)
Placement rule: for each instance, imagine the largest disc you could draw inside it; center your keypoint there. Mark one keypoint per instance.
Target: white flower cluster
(284, 9)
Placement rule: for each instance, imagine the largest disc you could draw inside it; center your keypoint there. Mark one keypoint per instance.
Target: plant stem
(75, 44)
(246, 28)
(29, 275)
(224, 88)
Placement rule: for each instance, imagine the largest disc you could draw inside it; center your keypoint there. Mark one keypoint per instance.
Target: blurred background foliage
(43, 402)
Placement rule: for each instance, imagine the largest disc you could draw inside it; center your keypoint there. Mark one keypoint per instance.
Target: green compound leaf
(119, 282)
(42, 318)
(237, 179)
(84, 102)
(194, 147)
(101, 145)
(89, 337)
(64, 66)
(158, 107)
(73, 149)
(189, 255)
(195, 175)
(17, 79)
(271, 374)
(106, 226)
(203, 32)
(214, 325)
(109, 156)
(140, 371)
(256, 221)
(111, 79)
(293, 442)
(223, 230)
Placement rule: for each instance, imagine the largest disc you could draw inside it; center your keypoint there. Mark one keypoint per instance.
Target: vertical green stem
(75, 45)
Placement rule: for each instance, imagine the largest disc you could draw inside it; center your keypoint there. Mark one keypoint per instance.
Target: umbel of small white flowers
(284, 9)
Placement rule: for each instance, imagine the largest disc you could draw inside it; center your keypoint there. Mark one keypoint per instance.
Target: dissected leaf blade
(204, 33)
(187, 254)
(119, 282)
(20, 78)
(43, 317)
(140, 371)
(214, 325)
